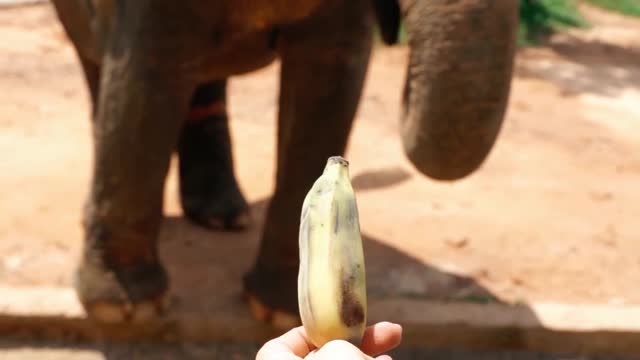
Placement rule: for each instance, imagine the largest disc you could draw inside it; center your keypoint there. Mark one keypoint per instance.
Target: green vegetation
(540, 18)
(626, 7)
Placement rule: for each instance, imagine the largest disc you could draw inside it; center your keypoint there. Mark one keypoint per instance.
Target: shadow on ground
(589, 66)
(237, 351)
(206, 268)
(379, 178)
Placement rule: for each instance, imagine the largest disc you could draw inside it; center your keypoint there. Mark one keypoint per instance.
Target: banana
(332, 294)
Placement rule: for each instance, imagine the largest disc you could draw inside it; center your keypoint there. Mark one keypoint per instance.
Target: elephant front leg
(323, 69)
(120, 277)
(209, 192)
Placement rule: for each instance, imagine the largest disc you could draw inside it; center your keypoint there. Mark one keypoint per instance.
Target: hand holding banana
(295, 345)
(331, 280)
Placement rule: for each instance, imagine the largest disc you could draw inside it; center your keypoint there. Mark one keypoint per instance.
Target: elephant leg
(75, 18)
(209, 191)
(324, 64)
(92, 78)
(141, 107)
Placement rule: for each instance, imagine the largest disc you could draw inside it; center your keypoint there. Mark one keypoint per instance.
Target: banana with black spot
(331, 280)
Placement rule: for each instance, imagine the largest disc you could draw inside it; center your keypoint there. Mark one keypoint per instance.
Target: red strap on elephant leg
(199, 112)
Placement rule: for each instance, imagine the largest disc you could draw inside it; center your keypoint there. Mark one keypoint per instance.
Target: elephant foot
(219, 208)
(272, 296)
(136, 293)
(209, 192)
(278, 319)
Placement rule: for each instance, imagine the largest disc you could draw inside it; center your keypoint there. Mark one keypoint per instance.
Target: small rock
(13, 262)
(457, 243)
(482, 273)
(617, 301)
(601, 196)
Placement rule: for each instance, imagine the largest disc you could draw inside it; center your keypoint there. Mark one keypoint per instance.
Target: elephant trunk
(458, 82)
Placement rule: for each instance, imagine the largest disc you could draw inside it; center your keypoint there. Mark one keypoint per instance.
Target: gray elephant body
(157, 72)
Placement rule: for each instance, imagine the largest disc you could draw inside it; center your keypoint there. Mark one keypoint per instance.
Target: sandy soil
(553, 215)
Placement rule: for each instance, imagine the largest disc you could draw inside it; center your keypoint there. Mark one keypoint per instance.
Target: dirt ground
(551, 216)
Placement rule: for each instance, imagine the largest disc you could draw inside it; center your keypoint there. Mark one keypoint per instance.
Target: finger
(294, 342)
(384, 357)
(268, 355)
(339, 350)
(381, 337)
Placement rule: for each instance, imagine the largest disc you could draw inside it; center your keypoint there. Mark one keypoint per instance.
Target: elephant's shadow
(206, 270)
(206, 267)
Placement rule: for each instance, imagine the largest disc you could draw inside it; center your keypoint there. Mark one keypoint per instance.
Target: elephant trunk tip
(442, 170)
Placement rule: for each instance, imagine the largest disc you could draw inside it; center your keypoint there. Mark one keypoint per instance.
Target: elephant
(157, 71)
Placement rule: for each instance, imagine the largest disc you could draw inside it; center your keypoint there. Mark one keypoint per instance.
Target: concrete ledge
(16, 3)
(586, 329)
(54, 313)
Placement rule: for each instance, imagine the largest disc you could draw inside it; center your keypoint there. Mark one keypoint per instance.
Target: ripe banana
(331, 280)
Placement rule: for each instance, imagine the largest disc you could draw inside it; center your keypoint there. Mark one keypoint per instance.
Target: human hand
(295, 345)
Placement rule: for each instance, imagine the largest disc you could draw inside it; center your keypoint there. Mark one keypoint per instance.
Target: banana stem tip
(337, 160)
